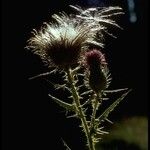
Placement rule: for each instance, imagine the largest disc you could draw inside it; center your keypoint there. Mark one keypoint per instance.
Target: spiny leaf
(86, 92)
(88, 101)
(111, 107)
(73, 116)
(105, 99)
(109, 121)
(81, 75)
(100, 132)
(65, 144)
(81, 86)
(74, 71)
(42, 75)
(65, 105)
(114, 91)
(59, 86)
(96, 140)
(63, 86)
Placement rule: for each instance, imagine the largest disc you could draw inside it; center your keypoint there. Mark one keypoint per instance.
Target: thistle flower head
(61, 43)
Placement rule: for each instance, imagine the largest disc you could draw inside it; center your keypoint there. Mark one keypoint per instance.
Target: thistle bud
(95, 61)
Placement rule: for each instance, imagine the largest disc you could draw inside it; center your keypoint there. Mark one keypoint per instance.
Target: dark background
(29, 119)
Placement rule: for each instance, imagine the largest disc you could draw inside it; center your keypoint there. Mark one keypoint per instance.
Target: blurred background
(30, 120)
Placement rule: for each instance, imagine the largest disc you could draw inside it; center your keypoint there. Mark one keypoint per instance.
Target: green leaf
(105, 114)
(63, 104)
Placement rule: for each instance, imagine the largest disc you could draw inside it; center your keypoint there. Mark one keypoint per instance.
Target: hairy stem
(79, 109)
(95, 107)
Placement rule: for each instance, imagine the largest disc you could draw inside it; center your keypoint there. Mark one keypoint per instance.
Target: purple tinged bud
(95, 62)
(95, 58)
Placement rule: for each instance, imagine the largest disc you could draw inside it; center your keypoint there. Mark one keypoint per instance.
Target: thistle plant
(72, 45)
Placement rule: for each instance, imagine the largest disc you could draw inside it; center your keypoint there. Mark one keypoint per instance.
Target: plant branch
(79, 109)
(95, 107)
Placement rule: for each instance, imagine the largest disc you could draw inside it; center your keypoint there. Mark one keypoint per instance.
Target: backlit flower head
(62, 42)
(59, 44)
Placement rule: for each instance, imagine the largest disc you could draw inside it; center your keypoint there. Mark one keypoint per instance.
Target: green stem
(93, 117)
(79, 109)
(96, 102)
